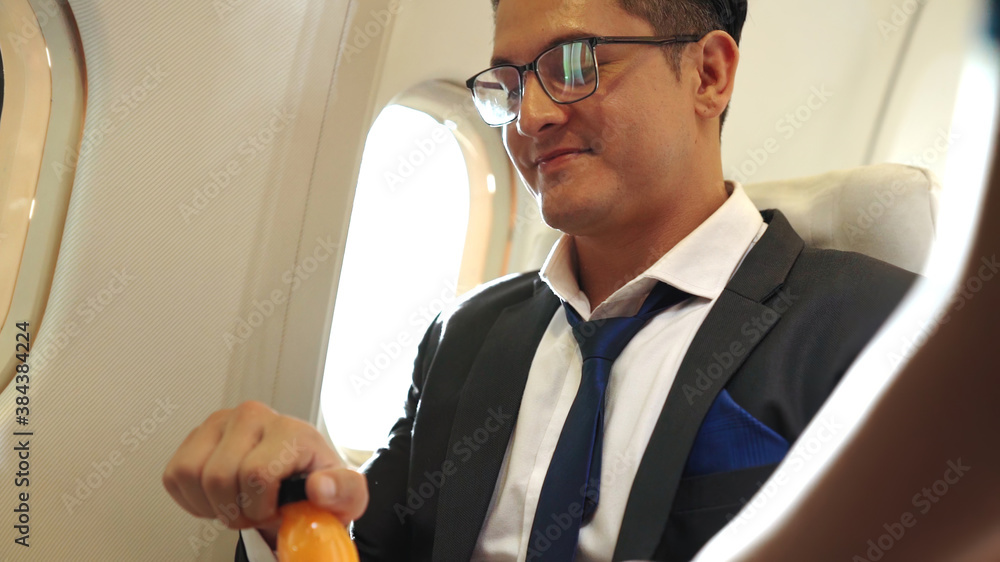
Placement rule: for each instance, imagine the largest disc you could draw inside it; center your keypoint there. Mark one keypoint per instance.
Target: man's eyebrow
(497, 61)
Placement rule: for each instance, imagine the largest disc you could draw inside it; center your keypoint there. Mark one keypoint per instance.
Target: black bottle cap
(292, 489)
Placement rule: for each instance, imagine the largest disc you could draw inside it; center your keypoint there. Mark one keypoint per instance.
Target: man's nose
(538, 111)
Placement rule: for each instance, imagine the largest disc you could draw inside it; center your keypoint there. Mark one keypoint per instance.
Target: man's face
(632, 137)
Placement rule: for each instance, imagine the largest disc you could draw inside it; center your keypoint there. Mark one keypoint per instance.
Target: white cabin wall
(791, 49)
(851, 47)
(436, 40)
(919, 118)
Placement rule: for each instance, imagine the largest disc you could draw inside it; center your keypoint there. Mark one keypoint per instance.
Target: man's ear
(716, 61)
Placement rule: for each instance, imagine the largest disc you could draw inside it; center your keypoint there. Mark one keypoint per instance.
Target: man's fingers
(231, 467)
(289, 446)
(175, 492)
(341, 491)
(220, 475)
(182, 477)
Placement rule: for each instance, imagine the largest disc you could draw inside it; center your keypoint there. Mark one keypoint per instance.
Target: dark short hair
(695, 17)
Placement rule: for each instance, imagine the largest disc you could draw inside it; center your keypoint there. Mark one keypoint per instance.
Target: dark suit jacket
(781, 335)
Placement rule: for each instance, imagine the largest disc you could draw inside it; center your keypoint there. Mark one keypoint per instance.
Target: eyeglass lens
(567, 73)
(497, 93)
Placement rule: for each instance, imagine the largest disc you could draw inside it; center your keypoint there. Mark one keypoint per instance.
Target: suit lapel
(736, 324)
(484, 420)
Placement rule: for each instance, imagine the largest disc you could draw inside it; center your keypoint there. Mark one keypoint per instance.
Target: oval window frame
(41, 134)
(492, 202)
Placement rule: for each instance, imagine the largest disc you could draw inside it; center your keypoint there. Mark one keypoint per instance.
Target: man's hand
(230, 468)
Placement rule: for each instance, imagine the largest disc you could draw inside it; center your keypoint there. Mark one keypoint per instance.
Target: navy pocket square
(731, 439)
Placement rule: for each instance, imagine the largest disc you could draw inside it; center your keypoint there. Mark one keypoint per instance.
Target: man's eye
(609, 64)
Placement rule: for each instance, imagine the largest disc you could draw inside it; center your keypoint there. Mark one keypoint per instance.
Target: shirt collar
(701, 264)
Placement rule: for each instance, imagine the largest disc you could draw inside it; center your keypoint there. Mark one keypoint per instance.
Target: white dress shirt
(701, 264)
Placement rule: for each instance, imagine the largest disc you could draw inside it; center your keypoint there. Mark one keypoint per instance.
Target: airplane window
(401, 267)
(42, 95)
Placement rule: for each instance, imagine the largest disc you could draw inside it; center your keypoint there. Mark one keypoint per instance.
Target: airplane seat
(885, 211)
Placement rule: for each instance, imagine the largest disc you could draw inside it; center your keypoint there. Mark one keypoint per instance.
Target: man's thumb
(342, 491)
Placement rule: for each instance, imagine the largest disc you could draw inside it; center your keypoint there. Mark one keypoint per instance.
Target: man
(752, 333)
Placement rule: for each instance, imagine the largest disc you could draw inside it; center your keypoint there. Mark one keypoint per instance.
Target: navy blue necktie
(571, 489)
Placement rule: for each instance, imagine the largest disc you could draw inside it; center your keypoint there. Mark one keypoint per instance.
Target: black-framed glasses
(567, 72)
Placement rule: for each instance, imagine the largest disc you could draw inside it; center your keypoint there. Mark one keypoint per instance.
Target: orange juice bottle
(308, 533)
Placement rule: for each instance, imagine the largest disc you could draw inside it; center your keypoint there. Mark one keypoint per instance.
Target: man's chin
(572, 220)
